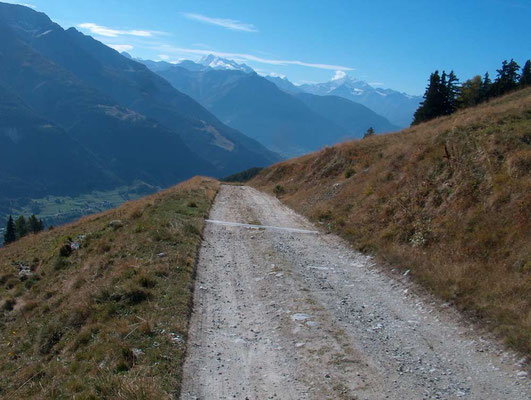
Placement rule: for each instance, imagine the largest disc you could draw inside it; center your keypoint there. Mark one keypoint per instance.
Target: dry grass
(108, 321)
(449, 199)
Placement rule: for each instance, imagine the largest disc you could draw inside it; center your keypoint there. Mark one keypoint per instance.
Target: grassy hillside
(449, 199)
(108, 319)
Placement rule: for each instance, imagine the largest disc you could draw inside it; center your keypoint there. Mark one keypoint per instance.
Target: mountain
(35, 152)
(216, 62)
(133, 122)
(354, 118)
(397, 107)
(283, 84)
(257, 107)
(447, 201)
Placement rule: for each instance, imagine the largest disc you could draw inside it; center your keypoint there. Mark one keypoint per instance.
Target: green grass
(110, 319)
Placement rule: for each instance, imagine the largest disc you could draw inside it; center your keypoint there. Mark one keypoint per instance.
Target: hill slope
(99, 308)
(448, 200)
(36, 151)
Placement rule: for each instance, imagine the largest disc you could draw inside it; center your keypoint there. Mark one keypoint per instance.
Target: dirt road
(282, 314)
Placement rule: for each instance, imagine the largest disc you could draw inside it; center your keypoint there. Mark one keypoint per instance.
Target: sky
(388, 43)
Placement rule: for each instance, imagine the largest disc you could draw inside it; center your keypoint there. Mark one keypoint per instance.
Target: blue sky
(394, 44)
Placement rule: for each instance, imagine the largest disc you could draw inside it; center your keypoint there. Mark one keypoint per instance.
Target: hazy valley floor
(291, 315)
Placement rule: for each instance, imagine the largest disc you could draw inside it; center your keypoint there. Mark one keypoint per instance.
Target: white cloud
(21, 4)
(110, 32)
(223, 22)
(249, 57)
(376, 83)
(339, 75)
(164, 57)
(120, 47)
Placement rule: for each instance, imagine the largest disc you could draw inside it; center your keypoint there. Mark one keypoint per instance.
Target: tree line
(444, 95)
(15, 229)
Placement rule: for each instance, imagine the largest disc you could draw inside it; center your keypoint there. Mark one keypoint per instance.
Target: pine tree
(34, 225)
(508, 78)
(486, 88)
(21, 227)
(525, 77)
(452, 93)
(370, 132)
(432, 103)
(10, 235)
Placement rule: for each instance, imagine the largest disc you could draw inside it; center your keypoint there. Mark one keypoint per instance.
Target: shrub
(49, 336)
(65, 250)
(349, 172)
(278, 190)
(9, 304)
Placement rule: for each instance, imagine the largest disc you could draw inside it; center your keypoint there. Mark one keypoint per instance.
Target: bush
(278, 190)
(65, 250)
(349, 172)
(9, 304)
(49, 336)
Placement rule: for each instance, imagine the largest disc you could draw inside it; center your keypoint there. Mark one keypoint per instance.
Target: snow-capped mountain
(397, 107)
(216, 62)
(283, 83)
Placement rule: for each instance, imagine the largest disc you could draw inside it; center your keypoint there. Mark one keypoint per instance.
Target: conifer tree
(486, 88)
(432, 102)
(525, 76)
(508, 77)
(452, 93)
(21, 227)
(35, 225)
(369, 132)
(10, 235)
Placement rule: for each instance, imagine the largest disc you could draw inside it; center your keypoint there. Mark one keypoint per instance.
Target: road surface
(296, 314)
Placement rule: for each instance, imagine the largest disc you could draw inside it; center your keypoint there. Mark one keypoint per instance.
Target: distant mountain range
(397, 107)
(288, 123)
(76, 115)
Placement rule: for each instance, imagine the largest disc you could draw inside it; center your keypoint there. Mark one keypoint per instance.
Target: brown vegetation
(449, 199)
(108, 319)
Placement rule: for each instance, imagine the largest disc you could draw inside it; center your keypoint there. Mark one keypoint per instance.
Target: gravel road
(298, 315)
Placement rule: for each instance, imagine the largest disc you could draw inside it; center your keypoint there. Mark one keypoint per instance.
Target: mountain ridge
(131, 121)
(257, 107)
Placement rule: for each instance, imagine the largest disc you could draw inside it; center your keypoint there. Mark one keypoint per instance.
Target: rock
(137, 352)
(161, 255)
(175, 338)
(117, 223)
(24, 271)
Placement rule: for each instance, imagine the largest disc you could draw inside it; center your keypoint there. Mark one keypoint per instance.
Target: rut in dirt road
(295, 315)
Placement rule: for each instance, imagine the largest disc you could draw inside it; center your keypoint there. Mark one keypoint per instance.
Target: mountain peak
(216, 62)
